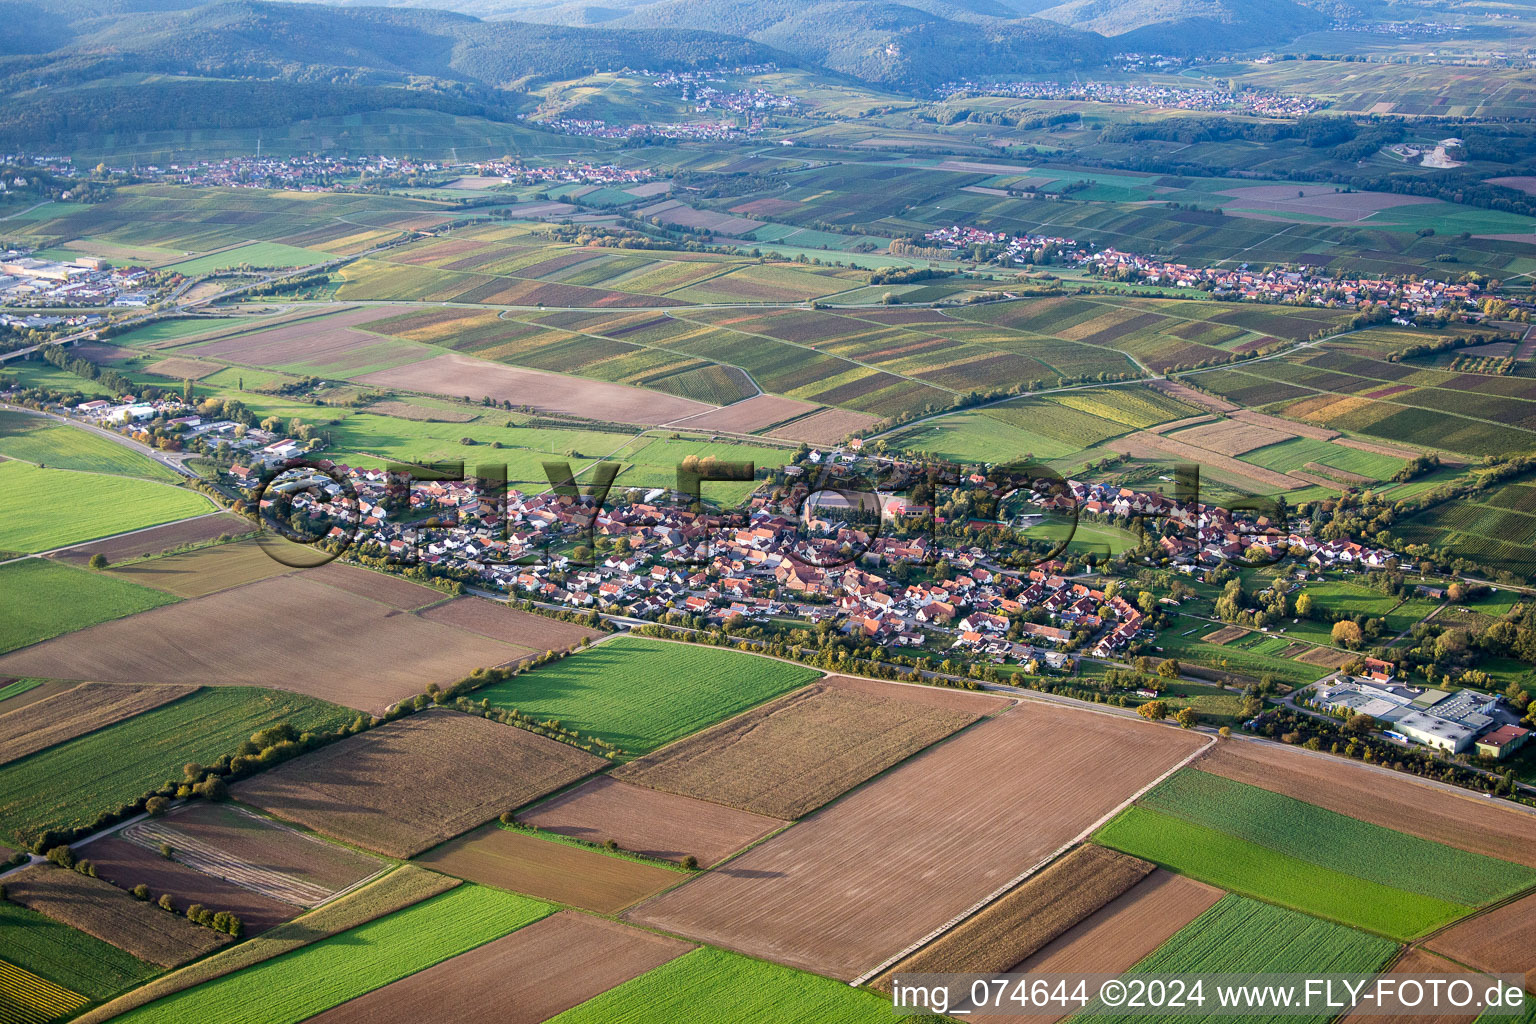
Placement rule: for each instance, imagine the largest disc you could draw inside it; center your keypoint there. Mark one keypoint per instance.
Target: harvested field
(1379, 796)
(1332, 473)
(548, 870)
(497, 621)
(277, 632)
(853, 885)
(1502, 940)
(1225, 635)
(528, 976)
(1189, 394)
(750, 415)
(1022, 922)
(86, 708)
(661, 825)
(156, 539)
(231, 843)
(183, 369)
(33, 694)
(127, 864)
(376, 586)
(1318, 201)
(408, 785)
(1418, 961)
(1261, 419)
(1229, 438)
(1188, 421)
(106, 912)
(1391, 451)
(672, 211)
(788, 757)
(826, 427)
(1326, 657)
(421, 413)
(1144, 444)
(1114, 938)
(458, 375)
(204, 571)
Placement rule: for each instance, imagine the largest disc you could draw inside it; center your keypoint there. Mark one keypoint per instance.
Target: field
(120, 763)
(1022, 922)
(40, 599)
(852, 885)
(401, 888)
(37, 440)
(638, 693)
(1389, 799)
(1236, 864)
(66, 957)
(86, 708)
(252, 254)
(296, 985)
(787, 758)
(26, 998)
(204, 571)
(408, 785)
(41, 509)
(1501, 940)
(528, 976)
(1254, 656)
(555, 871)
(1242, 936)
(100, 909)
(157, 539)
(644, 821)
(275, 632)
(711, 986)
(127, 864)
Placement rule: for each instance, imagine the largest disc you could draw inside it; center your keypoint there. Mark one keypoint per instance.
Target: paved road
(170, 460)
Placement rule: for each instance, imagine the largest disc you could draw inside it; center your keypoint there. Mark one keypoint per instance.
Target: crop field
(1337, 841)
(127, 864)
(260, 255)
(550, 870)
(1234, 863)
(1022, 922)
(66, 957)
(273, 632)
(855, 883)
(299, 984)
(26, 998)
(1183, 640)
(649, 822)
(1393, 801)
(788, 757)
(41, 509)
(1242, 936)
(38, 440)
(204, 571)
(41, 599)
(425, 778)
(1496, 531)
(102, 910)
(529, 976)
(826, 427)
(86, 708)
(638, 693)
(711, 986)
(325, 346)
(1501, 940)
(120, 763)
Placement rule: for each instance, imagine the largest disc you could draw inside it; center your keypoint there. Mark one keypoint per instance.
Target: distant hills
(1189, 26)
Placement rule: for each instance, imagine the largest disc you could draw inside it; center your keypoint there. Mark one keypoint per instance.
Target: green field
(1181, 640)
(300, 984)
(18, 687)
(41, 598)
(639, 693)
(711, 986)
(42, 509)
(61, 446)
(1298, 451)
(68, 785)
(1241, 936)
(1336, 841)
(255, 254)
(67, 957)
(184, 327)
(1235, 864)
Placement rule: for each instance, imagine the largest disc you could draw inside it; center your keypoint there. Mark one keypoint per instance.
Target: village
(1261, 103)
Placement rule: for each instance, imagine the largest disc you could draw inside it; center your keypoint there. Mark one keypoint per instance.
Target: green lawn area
(973, 436)
(42, 509)
(64, 956)
(639, 693)
(41, 599)
(1297, 452)
(1243, 936)
(1087, 537)
(256, 254)
(182, 327)
(1254, 870)
(62, 446)
(1336, 841)
(1181, 640)
(711, 986)
(68, 785)
(299, 984)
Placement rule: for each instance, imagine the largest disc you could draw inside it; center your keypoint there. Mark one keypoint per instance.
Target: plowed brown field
(522, 978)
(855, 884)
(126, 865)
(159, 538)
(496, 621)
(1417, 961)
(86, 708)
(1502, 940)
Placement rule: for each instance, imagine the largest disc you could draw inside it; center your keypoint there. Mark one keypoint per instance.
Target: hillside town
(1248, 101)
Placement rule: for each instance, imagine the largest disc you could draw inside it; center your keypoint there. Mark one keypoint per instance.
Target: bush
(691, 862)
(98, 561)
(167, 850)
(86, 868)
(507, 818)
(141, 892)
(212, 789)
(62, 855)
(156, 806)
(611, 845)
(166, 903)
(193, 911)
